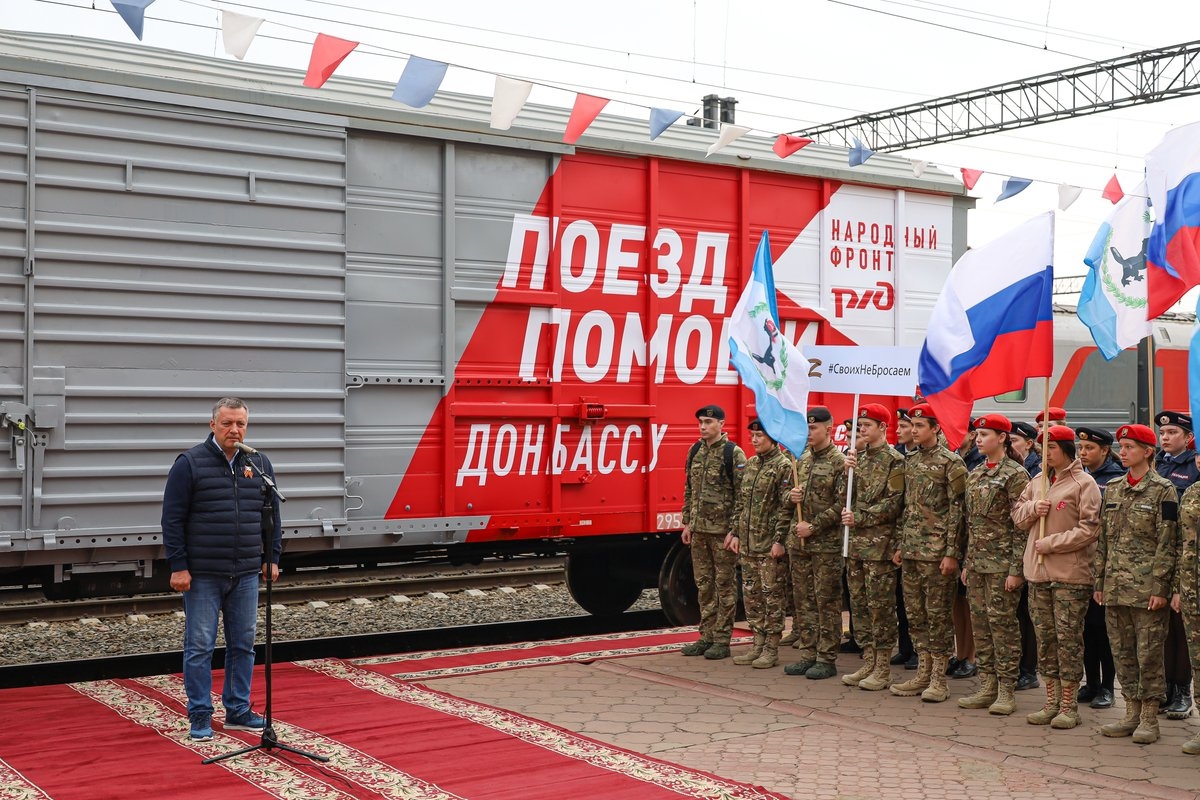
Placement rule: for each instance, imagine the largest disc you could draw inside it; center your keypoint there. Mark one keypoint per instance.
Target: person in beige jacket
(1058, 567)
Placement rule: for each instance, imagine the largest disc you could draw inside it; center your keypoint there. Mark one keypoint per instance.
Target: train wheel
(677, 587)
(597, 587)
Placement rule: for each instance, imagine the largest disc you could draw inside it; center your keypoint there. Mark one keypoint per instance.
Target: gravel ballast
(68, 641)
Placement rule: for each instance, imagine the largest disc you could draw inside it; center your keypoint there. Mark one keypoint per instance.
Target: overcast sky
(789, 65)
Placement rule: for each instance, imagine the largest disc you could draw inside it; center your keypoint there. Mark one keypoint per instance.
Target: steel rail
(357, 646)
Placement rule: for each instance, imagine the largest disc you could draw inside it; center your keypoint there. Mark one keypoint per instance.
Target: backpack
(726, 465)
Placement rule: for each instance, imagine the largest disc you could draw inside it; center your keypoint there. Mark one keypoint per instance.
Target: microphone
(245, 448)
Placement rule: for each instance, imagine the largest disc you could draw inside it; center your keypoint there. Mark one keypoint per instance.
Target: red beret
(922, 411)
(1139, 433)
(993, 422)
(874, 411)
(1056, 413)
(1061, 433)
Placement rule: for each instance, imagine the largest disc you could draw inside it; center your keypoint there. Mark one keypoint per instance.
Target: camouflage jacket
(1139, 532)
(994, 543)
(877, 500)
(762, 515)
(931, 527)
(708, 494)
(1187, 565)
(822, 477)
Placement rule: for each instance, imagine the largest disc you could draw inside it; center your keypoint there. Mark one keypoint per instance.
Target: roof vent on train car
(715, 110)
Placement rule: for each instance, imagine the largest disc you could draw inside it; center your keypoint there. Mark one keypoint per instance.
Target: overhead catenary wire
(372, 48)
(1009, 22)
(619, 97)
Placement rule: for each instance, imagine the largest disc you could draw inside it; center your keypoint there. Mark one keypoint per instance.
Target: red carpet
(467, 660)
(387, 739)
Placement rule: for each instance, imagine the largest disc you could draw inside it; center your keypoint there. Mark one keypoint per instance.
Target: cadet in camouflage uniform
(1095, 453)
(1058, 567)
(992, 571)
(1135, 573)
(714, 470)
(760, 524)
(1186, 599)
(932, 539)
(814, 549)
(877, 498)
(1176, 461)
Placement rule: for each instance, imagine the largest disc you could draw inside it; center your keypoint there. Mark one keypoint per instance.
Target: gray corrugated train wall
(152, 259)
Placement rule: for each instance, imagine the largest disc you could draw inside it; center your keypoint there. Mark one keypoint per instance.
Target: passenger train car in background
(451, 338)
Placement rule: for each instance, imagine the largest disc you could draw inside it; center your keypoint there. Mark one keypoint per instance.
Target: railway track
(21, 608)
(409, 641)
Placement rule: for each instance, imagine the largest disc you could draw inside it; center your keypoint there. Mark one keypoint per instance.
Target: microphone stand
(269, 739)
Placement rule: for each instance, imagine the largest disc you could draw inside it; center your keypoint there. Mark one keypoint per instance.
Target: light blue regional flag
(769, 364)
(1112, 302)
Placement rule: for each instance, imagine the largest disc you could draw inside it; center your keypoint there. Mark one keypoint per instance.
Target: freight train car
(450, 337)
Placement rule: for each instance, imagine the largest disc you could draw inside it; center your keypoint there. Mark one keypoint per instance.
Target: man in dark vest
(212, 523)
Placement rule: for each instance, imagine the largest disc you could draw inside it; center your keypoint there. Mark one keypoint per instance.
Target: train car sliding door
(177, 256)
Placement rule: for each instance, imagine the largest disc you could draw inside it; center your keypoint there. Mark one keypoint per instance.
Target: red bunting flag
(1113, 191)
(787, 144)
(587, 108)
(327, 53)
(971, 177)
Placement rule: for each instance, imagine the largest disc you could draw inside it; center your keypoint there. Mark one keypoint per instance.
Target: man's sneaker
(201, 727)
(247, 722)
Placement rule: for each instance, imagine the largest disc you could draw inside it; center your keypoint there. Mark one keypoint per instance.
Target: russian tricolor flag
(993, 325)
(1173, 252)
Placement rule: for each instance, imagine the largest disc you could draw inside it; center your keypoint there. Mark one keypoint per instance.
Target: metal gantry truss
(1150, 76)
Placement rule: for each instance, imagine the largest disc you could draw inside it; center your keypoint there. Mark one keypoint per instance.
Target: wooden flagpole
(800, 505)
(1045, 478)
(850, 476)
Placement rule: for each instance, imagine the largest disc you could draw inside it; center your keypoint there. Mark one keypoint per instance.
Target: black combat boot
(1181, 706)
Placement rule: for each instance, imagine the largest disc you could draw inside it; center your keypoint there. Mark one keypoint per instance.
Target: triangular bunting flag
(419, 82)
(237, 32)
(729, 133)
(661, 119)
(133, 12)
(1013, 186)
(919, 168)
(971, 177)
(587, 108)
(1067, 194)
(1113, 191)
(508, 98)
(859, 153)
(787, 144)
(327, 53)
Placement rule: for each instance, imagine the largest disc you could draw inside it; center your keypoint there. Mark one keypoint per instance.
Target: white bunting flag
(1067, 195)
(728, 135)
(237, 32)
(509, 97)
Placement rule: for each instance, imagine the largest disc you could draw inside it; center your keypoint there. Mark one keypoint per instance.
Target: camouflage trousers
(1137, 636)
(994, 620)
(928, 598)
(817, 594)
(872, 602)
(763, 592)
(1057, 611)
(1191, 626)
(714, 569)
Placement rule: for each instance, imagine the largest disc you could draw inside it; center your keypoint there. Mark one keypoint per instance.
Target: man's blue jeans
(236, 598)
